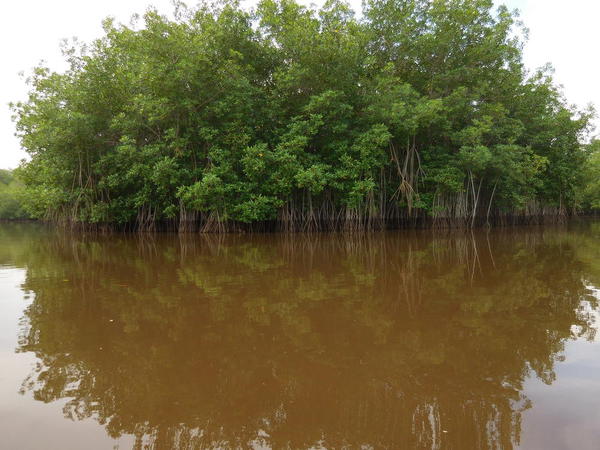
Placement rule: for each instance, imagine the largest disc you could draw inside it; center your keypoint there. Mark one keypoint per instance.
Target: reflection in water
(397, 340)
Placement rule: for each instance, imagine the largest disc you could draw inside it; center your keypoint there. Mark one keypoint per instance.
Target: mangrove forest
(287, 117)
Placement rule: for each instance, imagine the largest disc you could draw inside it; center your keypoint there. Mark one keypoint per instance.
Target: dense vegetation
(301, 118)
(11, 196)
(591, 190)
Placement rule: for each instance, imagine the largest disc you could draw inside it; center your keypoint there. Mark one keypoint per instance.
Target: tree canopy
(303, 118)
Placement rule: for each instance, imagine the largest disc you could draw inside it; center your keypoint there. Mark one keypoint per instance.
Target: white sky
(562, 32)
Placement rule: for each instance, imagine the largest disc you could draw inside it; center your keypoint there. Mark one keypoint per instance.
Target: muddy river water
(395, 340)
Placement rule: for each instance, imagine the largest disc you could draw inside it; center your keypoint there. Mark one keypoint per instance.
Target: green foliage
(591, 190)
(246, 116)
(11, 197)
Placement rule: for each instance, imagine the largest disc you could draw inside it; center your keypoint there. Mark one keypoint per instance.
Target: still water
(398, 340)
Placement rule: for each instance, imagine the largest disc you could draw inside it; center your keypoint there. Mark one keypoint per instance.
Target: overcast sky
(562, 32)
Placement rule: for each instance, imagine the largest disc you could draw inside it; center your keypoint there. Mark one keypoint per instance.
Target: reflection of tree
(395, 340)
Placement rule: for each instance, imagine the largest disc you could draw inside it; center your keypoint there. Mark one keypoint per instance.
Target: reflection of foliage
(396, 341)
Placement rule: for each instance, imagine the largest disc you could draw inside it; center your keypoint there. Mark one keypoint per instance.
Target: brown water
(399, 340)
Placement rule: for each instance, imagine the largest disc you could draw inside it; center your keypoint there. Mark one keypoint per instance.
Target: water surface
(399, 340)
